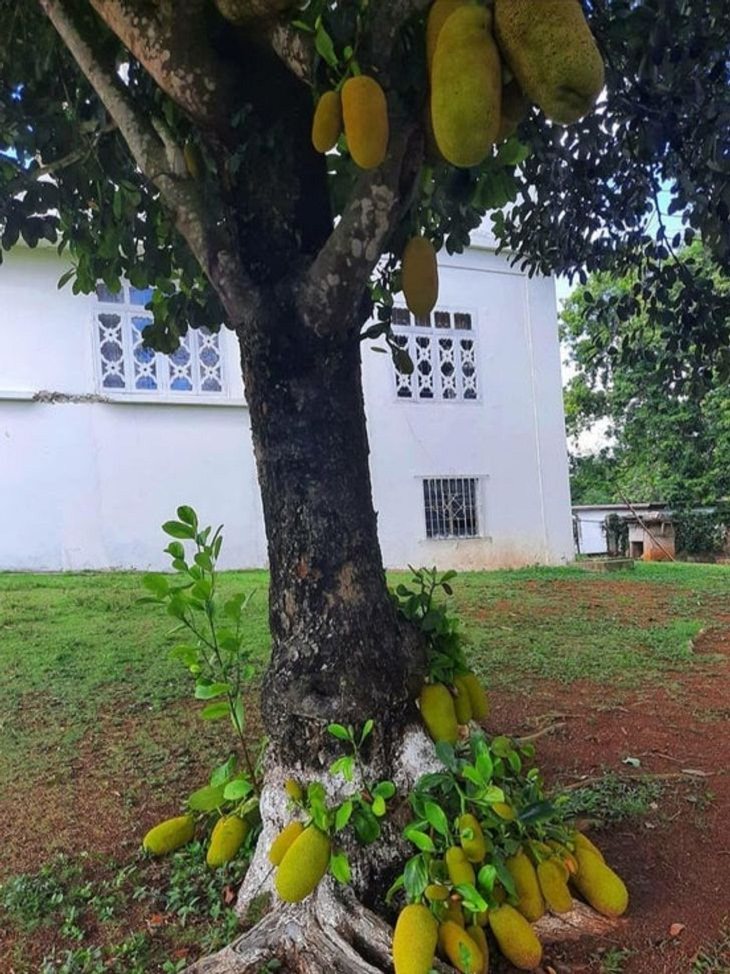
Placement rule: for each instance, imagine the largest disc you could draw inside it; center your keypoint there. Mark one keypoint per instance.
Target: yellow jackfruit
(515, 937)
(462, 703)
(327, 121)
(414, 940)
(474, 845)
(530, 901)
(459, 867)
(193, 160)
(305, 862)
(169, 835)
(505, 811)
(466, 87)
(477, 696)
(480, 939)
(581, 841)
(280, 845)
(599, 884)
(551, 51)
(365, 114)
(420, 278)
(515, 106)
(551, 875)
(227, 837)
(454, 912)
(436, 893)
(293, 789)
(439, 13)
(460, 949)
(438, 713)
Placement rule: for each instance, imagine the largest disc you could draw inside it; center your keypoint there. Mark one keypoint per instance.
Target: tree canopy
(663, 443)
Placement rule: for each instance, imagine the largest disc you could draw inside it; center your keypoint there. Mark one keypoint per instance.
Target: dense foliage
(664, 445)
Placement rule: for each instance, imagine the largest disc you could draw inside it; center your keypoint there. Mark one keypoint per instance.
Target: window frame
(480, 482)
(163, 393)
(433, 332)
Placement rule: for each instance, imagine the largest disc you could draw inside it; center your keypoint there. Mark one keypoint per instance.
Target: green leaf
(397, 884)
(214, 711)
(419, 839)
(445, 754)
(185, 654)
(378, 806)
(338, 731)
(340, 867)
(325, 47)
(207, 799)
(415, 878)
(157, 584)
(386, 789)
(207, 691)
(188, 516)
(237, 789)
(366, 825)
(492, 794)
(342, 815)
(487, 877)
(224, 771)
(366, 730)
(176, 529)
(437, 818)
(473, 900)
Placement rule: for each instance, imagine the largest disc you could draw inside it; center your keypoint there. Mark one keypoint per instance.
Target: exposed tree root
(582, 921)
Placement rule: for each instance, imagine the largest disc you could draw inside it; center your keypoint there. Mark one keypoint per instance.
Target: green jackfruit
(438, 14)
(435, 893)
(365, 115)
(460, 949)
(477, 696)
(472, 838)
(529, 897)
(551, 875)
(466, 87)
(480, 939)
(599, 884)
(304, 864)
(293, 789)
(438, 713)
(420, 277)
(227, 837)
(515, 937)
(327, 121)
(504, 811)
(462, 703)
(280, 845)
(414, 940)
(459, 867)
(581, 841)
(551, 51)
(169, 835)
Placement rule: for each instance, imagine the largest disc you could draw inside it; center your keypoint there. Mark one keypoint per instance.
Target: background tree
(668, 441)
(178, 142)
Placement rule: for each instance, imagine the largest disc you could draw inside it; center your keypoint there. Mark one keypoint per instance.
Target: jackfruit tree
(176, 145)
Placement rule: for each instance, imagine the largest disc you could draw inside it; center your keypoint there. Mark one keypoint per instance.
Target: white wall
(86, 484)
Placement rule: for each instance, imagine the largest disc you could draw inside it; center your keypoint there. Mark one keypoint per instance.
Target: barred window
(126, 365)
(451, 507)
(442, 348)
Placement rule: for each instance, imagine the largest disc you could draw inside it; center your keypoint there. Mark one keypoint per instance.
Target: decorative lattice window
(125, 365)
(451, 507)
(442, 348)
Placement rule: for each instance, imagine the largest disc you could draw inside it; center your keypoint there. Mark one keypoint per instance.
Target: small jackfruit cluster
(360, 110)
(444, 709)
(228, 835)
(302, 856)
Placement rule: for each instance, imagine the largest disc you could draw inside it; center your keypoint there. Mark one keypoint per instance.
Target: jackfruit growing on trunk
(414, 940)
(169, 835)
(284, 839)
(530, 901)
(304, 864)
(477, 696)
(459, 867)
(420, 277)
(550, 50)
(438, 713)
(474, 844)
(228, 835)
(551, 874)
(581, 841)
(462, 703)
(600, 885)
(365, 115)
(515, 937)
(466, 87)
(438, 14)
(480, 939)
(462, 952)
(327, 121)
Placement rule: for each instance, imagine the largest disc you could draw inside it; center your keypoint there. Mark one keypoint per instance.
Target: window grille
(125, 365)
(444, 356)
(451, 508)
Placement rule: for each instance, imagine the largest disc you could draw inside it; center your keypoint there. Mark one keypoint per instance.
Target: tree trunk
(339, 650)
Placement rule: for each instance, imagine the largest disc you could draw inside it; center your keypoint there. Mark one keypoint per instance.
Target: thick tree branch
(160, 159)
(295, 48)
(330, 293)
(175, 48)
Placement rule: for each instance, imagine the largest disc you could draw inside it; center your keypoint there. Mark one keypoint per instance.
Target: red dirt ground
(676, 863)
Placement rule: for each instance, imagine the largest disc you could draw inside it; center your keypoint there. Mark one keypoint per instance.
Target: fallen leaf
(229, 895)
(676, 929)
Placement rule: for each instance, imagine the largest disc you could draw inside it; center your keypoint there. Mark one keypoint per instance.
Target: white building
(100, 439)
